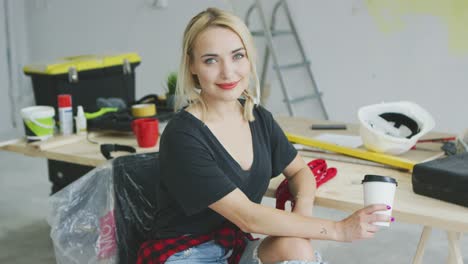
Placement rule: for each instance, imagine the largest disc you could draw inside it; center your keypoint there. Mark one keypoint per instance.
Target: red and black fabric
(322, 174)
(228, 235)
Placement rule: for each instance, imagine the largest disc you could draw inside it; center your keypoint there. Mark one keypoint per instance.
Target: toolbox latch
(127, 68)
(72, 75)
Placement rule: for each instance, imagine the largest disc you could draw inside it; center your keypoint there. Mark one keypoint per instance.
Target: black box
(62, 173)
(445, 179)
(86, 78)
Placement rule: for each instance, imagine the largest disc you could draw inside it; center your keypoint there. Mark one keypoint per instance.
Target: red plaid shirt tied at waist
(228, 235)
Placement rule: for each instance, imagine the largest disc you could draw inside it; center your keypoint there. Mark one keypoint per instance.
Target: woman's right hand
(359, 225)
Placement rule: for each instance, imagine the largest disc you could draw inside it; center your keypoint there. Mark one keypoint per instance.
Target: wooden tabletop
(344, 192)
(84, 150)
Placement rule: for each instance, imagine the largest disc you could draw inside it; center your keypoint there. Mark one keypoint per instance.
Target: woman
(217, 156)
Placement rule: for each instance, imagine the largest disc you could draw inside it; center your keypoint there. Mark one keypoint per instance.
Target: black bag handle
(107, 149)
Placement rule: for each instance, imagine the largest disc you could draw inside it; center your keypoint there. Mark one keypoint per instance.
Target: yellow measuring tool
(358, 153)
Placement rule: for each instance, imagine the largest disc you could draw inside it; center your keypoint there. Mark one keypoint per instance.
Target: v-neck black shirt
(196, 171)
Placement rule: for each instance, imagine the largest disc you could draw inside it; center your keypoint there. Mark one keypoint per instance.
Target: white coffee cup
(379, 190)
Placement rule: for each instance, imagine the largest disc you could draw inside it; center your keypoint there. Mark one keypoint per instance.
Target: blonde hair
(187, 90)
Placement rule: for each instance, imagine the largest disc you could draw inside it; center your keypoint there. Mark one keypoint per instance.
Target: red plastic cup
(146, 131)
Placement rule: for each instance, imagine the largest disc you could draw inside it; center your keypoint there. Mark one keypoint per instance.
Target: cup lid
(379, 178)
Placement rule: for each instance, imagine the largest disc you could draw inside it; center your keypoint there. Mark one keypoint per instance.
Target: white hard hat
(394, 127)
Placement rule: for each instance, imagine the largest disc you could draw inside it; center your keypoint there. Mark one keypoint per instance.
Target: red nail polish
(393, 219)
(389, 207)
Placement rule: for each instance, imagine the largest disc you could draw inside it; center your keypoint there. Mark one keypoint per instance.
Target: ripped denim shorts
(210, 252)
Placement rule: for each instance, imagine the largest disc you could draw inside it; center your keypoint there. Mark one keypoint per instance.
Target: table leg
(426, 233)
(454, 256)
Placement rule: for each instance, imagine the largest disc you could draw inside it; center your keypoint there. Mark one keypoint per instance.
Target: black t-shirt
(196, 171)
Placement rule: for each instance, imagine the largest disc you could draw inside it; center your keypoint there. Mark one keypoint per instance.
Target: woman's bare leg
(276, 249)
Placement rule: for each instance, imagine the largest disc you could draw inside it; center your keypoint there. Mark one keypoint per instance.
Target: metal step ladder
(269, 32)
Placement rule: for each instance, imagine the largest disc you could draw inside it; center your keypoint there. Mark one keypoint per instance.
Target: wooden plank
(455, 256)
(5, 143)
(21, 146)
(426, 233)
(57, 141)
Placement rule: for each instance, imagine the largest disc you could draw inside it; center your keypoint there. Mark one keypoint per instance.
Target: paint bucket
(38, 122)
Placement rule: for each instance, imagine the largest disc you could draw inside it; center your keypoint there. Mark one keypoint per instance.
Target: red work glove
(321, 173)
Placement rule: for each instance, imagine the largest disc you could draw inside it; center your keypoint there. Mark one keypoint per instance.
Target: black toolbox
(85, 78)
(444, 179)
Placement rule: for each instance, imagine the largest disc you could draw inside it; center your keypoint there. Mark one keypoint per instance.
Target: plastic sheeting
(104, 216)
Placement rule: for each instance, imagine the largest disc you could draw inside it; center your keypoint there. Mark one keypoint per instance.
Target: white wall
(5, 116)
(354, 62)
(15, 89)
(358, 64)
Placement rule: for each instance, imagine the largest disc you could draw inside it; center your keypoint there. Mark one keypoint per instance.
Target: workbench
(343, 192)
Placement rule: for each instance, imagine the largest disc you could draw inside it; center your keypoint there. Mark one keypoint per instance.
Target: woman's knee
(274, 249)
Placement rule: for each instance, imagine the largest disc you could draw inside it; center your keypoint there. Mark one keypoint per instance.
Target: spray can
(65, 114)
(80, 121)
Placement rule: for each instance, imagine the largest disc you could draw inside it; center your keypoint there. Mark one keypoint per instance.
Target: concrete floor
(24, 232)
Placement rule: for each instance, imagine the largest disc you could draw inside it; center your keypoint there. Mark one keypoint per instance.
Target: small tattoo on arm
(323, 231)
